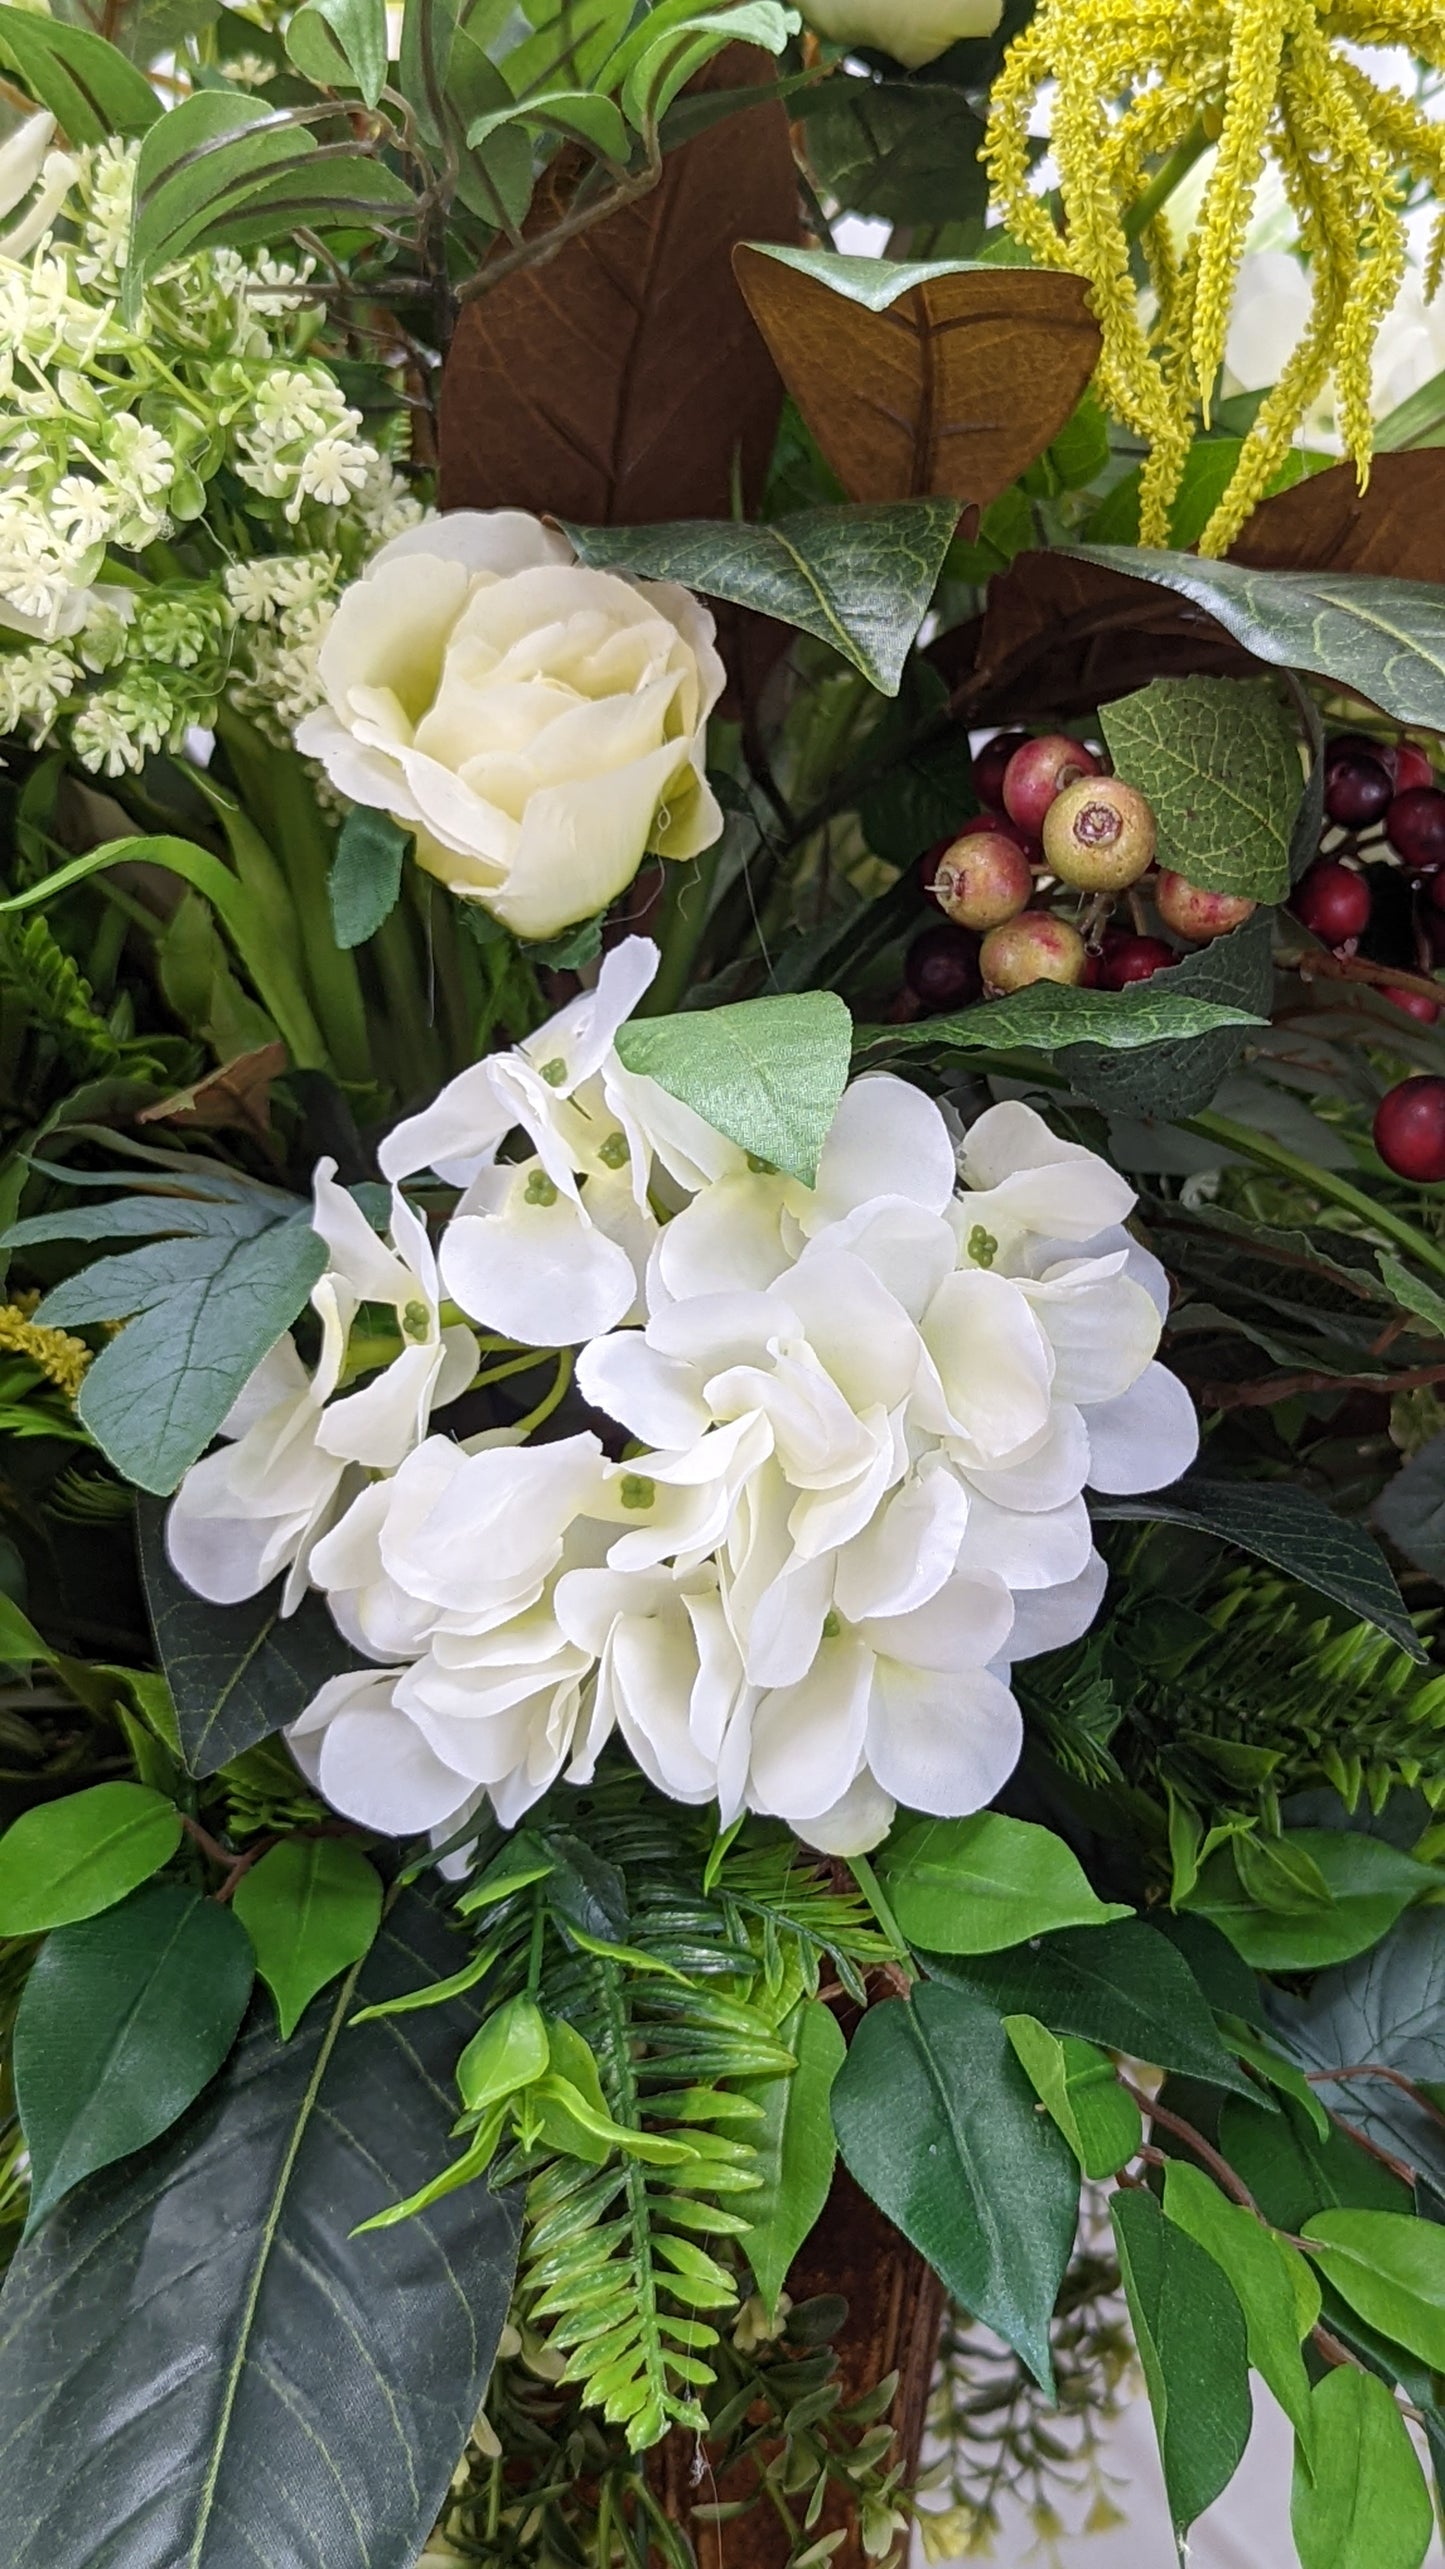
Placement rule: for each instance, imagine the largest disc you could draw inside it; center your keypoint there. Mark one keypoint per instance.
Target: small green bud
(554, 1072)
(982, 1246)
(637, 1491)
(831, 1626)
(539, 1189)
(761, 1168)
(614, 1153)
(415, 1320)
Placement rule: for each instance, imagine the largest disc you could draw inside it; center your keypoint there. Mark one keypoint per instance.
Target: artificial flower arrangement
(721, 1449)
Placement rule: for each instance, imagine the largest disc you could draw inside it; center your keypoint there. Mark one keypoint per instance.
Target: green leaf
(1190, 2333)
(905, 150)
(1386, 2009)
(1049, 1015)
(578, 113)
(1390, 2267)
(89, 88)
(1122, 1986)
(508, 2053)
(1411, 1509)
(794, 2144)
(1280, 2073)
(974, 1886)
(1291, 2172)
(938, 2123)
(236, 1673)
(365, 881)
(1218, 759)
(1078, 2084)
(767, 1072)
(1384, 639)
(69, 1859)
(1276, 2290)
(1360, 2500)
(1291, 1529)
(123, 2019)
(1168, 1080)
(669, 60)
(1368, 1883)
(1411, 1292)
(201, 2328)
(311, 1908)
(357, 28)
(861, 579)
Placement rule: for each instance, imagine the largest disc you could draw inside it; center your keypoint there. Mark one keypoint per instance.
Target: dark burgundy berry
(1435, 892)
(989, 764)
(942, 967)
(1127, 959)
(1410, 1130)
(1356, 744)
(1039, 771)
(1413, 1003)
(1357, 792)
(1415, 826)
(1332, 901)
(1410, 767)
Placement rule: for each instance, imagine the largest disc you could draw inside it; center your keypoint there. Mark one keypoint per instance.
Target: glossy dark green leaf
(1385, 2010)
(1385, 639)
(90, 89)
(1359, 2499)
(767, 1072)
(978, 1885)
(938, 2123)
(1048, 1016)
(1168, 1080)
(236, 1673)
(1077, 2082)
(1390, 2267)
(311, 1908)
(1411, 1509)
(1190, 2332)
(1292, 2173)
(202, 2329)
(365, 882)
(903, 150)
(1275, 2288)
(70, 1859)
(123, 2019)
(1367, 1882)
(861, 579)
(1123, 1986)
(1219, 761)
(1294, 1531)
(357, 28)
(793, 2144)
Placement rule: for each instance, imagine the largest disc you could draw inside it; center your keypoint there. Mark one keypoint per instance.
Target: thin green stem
(1326, 1182)
(554, 1398)
(1165, 180)
(873, 1892)
(678, 927)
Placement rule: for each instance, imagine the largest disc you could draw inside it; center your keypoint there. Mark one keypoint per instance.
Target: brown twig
(1384, 976)
(1263, 1394)
(1377, 2069)
(1219, 2168)
(545, 245)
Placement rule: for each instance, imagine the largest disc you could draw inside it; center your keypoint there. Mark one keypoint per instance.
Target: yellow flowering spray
(1136, 80)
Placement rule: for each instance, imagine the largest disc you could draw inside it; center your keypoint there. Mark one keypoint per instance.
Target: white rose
(912, 31)
(540, 726)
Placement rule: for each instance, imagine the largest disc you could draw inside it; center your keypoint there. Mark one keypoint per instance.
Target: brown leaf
(1060, 636)
(239, 1092)
(622, 383)
(954, 389)
(1394, 529)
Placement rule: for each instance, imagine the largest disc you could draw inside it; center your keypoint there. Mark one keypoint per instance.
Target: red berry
(1039, 771)
(941, 967)
(1127, 959)
(1357, 791)
(982, 880)
(1034, 947)
(1332, 901)
(1413, 1003)
(1410, 1130)
(1197, 914)
(1410, 767)
(1415, 825)
(989, 764)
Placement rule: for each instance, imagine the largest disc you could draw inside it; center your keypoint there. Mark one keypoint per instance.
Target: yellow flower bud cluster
(59, 1357)
(1141, 90)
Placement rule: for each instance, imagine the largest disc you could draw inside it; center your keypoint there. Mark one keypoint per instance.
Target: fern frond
(36, 970)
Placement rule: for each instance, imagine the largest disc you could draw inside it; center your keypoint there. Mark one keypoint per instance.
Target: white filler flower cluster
(859, 1419)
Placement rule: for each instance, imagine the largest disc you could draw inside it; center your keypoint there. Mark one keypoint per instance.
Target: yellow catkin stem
(1251, 85)
(59, 1357)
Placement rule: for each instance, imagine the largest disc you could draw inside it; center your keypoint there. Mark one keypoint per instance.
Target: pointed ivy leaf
(1388, 2010)
(1168, 1079)
(861, 579)
(1291, 1529)
(794, 2145)
(1122, 1986)
(767, 1072)
(1077, 2082)
(236, 1673)
(1276, 2290)
(203, 2327)
(1218, 759)
(1190, 2332)
(365, 881)
(938, 2123)
(67, 1860)
(1390, 2267)
(1411, 1509)
(1359, 2499)
(122, 2021)
(975, 1886)
(1384, 639)
(311, 1908)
